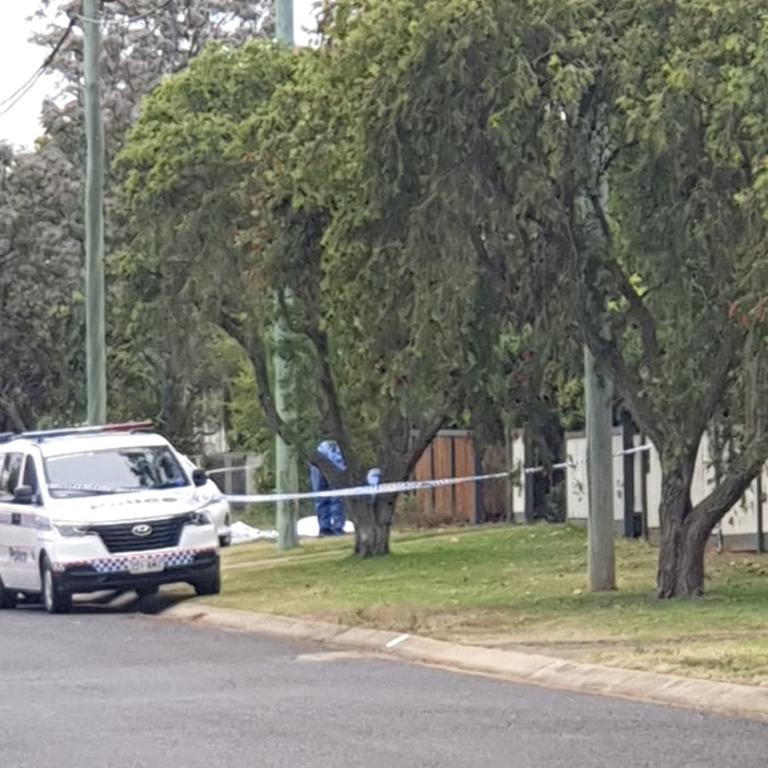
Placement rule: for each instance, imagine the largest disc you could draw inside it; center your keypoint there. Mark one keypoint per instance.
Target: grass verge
(523, 588)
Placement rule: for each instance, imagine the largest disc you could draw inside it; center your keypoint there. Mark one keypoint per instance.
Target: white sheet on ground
(309, 527)
(242, 533)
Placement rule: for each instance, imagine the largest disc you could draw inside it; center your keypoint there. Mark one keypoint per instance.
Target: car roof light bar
(43, 434)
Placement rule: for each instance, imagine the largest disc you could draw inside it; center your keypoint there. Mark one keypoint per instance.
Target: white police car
(100, 508)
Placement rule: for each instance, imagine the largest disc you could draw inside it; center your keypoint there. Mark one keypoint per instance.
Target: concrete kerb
(692, 693)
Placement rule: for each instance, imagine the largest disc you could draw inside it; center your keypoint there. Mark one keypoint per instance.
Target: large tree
(613, 149)
(382, 332)
(683, 215)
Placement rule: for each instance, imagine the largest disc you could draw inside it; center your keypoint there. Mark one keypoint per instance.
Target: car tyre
(225, 540)
(210, 586)
(55, 600)
(150, 591)
(8, 598)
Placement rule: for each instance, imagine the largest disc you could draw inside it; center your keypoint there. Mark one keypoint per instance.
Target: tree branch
(253, 345)
(614, 154)
(627, 382)
(639, 314)
(13, 413)
(701, 412)
(710, 510)
(335, 421)
(638, 311)
(334, 425)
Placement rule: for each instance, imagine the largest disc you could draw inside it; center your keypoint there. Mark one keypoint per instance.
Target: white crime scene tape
(363, 490)
(400, 487)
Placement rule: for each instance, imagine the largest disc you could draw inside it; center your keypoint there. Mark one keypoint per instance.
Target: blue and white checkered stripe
(123, 563)
(116, 565)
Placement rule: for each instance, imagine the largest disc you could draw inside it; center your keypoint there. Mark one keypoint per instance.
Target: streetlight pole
(94, 221)
(286, 463)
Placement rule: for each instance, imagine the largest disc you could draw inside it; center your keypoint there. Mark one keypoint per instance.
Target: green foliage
(196, 124)
(440, 80)
(390, 317)
(686, 200)
(42, 308)
(183, 168)
(598, 152)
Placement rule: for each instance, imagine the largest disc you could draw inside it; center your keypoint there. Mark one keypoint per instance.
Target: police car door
(30, 508)
(14, 551)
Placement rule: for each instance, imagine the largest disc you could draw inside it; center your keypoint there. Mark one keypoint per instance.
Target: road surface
(120, 689)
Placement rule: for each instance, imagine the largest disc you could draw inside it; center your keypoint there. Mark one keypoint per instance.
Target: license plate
(146, 565)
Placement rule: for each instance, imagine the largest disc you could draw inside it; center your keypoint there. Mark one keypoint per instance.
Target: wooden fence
(452, 454)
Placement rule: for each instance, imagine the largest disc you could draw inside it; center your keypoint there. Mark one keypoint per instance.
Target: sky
(19, 59)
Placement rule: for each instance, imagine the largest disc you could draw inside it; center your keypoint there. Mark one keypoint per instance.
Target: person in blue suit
(330, 511)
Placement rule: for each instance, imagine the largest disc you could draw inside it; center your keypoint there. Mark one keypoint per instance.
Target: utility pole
(598, 397)
(284, 21)
(94, 221)
(286, 464)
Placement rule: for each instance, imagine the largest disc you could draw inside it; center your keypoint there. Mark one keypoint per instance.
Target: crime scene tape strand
(363, 490)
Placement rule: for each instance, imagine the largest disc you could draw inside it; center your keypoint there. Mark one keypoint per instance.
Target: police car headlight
(199, 517)
(72, 530)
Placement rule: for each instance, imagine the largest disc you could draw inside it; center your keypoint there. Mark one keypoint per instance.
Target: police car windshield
(117, 470)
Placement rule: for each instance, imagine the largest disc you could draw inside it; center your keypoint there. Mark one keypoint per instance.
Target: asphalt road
(126, 690)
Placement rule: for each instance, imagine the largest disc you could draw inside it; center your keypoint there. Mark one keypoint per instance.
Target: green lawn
(518, 587)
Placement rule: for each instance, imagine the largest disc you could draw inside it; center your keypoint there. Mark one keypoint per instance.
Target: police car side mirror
(199, 478)
(24, 494)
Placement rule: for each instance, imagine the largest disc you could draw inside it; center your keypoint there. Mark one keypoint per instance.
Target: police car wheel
(147, 591)
(54, 600)
(210, 586)
(7, 598)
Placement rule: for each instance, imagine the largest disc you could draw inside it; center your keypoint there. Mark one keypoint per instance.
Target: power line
(21, 87)
(20, 92)
(15, 97)
(10, 101)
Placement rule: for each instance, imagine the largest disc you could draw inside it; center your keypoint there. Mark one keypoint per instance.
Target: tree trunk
(373, 522)
(13, 418)
(681, 553)
(685, 530)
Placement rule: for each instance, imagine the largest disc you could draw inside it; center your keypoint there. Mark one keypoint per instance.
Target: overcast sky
(19, 59)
